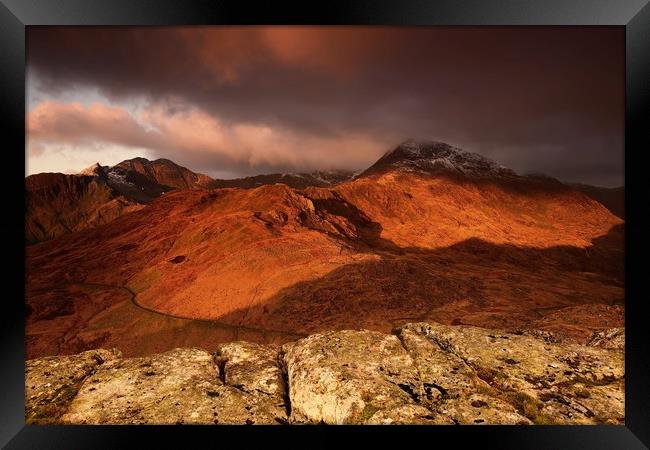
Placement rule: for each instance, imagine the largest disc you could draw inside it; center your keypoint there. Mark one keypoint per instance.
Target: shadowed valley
(428, 233)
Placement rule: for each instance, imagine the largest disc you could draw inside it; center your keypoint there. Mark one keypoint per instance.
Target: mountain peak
(426, 156)
(417, 148)
(94, 170)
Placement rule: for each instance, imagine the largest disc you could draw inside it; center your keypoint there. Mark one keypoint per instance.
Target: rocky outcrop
(547, 383)
(52, 383)
(348, 376)
(423, 374)
(57, 204)
(612, 338)
(181, 386)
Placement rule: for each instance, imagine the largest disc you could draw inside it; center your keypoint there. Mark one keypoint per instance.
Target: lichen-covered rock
(544, 335)
(612, 338)
(350, 376)
(254, 369)
(51, 383)
(181, 386)
(480, 408)
(547, 383)
(251, 368)
(451, 386)
(422, 374)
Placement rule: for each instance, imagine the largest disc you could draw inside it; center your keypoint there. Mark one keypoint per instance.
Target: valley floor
(549, 291)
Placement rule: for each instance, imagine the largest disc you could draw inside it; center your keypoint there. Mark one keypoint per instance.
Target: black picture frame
(634, 15)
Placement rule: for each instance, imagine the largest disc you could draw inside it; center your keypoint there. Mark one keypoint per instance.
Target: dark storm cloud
(537, 99)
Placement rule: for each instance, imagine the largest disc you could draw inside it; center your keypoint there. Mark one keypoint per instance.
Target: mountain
(429, 233)
(428, 194)
(295, 180)
(96, 170)
(121, 188)
(142, 180)
(162, 172)
(612, 198)
(432, 157)
(57, 204)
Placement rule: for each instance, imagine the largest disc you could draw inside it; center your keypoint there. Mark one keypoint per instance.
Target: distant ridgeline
(57, 204)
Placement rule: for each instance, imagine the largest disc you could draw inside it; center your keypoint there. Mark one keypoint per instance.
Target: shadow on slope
(472, 282)
(564, 288)
(611, 198)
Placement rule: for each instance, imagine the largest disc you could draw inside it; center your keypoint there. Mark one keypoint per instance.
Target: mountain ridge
(497, 252)
(298, 180)
(137, 181)
(57, 203)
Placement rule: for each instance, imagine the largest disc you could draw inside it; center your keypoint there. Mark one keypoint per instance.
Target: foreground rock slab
(452, 387)
(354, 377)
(549, 384)
(423, 373)
(181, 386)
(52, 383)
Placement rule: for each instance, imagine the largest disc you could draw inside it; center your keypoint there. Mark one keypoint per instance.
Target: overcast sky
(234, 101)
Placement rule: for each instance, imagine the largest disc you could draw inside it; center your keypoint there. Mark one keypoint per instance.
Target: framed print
(391, 219)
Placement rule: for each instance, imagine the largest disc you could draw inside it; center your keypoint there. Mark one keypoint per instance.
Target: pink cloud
(191, 135)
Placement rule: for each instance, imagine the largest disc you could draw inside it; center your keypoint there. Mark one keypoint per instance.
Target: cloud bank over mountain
(233, 101)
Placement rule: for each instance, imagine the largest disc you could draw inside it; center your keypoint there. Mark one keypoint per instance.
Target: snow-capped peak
(434, 156)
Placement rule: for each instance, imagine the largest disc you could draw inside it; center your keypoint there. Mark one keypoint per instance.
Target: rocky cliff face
(422, 373)
(58, 204)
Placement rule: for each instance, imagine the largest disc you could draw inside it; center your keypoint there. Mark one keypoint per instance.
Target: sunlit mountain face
(429, 232)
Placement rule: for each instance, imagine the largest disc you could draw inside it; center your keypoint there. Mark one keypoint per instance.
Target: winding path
(132, 297)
